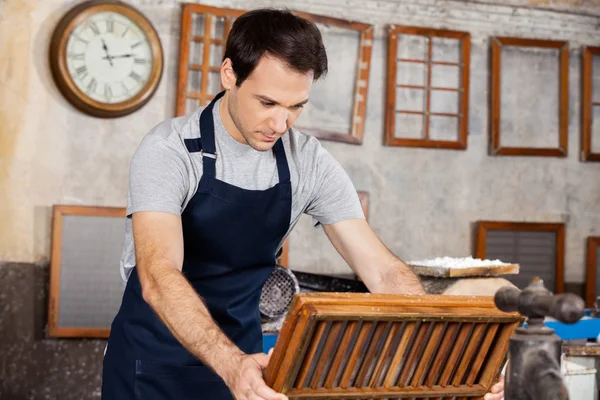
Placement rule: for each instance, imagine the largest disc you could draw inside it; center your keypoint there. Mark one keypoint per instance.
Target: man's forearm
(181, 309)
(398, 278)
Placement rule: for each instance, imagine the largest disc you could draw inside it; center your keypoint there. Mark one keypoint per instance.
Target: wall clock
(106, 58)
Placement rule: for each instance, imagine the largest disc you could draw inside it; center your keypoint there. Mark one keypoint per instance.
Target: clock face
(108, 57)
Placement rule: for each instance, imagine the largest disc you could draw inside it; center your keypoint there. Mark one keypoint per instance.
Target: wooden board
(589, 350)
(449, 272)
(357, 345)
(592, 285)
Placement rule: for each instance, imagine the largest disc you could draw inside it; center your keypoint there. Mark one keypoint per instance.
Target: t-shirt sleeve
(158, 177)
(334, 197)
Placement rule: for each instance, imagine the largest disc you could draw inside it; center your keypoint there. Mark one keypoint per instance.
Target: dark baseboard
(34, 366)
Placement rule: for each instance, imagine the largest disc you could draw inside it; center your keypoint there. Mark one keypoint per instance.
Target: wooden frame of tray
(445, 272)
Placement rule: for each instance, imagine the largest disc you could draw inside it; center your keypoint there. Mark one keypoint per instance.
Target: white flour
(453, 262)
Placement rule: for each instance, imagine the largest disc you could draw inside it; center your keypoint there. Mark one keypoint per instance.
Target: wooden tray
(449, 272)
(359, 346)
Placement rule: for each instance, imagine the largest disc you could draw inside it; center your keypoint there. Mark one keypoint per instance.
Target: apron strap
(193, 145)
(207, 138)
(282, 165)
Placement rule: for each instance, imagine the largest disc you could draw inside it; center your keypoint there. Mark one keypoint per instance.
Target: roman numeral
(135, 76)
(133, 46)
(92, 85)
(107, 92)
(81, 72)
(125, 88)
(140, 61)
(110, 25)
(79, 56)
(94, 28)
(80, 39)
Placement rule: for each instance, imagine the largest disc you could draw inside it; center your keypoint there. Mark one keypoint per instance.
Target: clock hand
(121, 56)
(105, 47)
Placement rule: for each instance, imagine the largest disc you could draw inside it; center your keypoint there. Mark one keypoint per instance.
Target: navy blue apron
(230, 239)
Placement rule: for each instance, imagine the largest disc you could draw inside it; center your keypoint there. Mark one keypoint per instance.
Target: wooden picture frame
(483, 227)
(592, 262)
(284, 257)
(186, 39)
(463, 65)
(356, 345)
(588, 103)
(205, 68)
(361, 80)
(59, 212)
(496, 148)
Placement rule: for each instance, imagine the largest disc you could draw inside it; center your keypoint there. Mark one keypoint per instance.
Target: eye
(298, 107)
(267, 104)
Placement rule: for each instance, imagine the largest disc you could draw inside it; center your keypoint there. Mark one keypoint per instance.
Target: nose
(278, 121)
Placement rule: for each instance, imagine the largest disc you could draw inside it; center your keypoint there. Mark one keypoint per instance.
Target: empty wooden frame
(85, 281)
(428, 100)
(357, 346)
(592, 286)
(355, 133)
(589, 104)
(538, 248)
(284, 257)
(496, 147)
(204, 31)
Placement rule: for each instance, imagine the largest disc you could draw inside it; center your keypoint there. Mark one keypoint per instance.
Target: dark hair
(279, 33)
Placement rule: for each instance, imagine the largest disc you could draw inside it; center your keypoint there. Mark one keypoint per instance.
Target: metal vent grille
(385, 346)
(535, 252)
(277, 293)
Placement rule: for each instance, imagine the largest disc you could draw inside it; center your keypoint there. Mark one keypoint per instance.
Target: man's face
(267, 103)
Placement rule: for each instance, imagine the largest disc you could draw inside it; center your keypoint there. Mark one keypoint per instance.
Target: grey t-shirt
(164, 176)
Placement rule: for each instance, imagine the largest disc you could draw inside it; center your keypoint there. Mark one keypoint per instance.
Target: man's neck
(228, 121)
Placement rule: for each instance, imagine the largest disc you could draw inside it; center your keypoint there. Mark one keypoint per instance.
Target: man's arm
(159, 257)
(379, 268)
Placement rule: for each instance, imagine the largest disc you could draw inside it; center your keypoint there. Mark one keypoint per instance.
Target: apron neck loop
(207, 132)
(209, 156)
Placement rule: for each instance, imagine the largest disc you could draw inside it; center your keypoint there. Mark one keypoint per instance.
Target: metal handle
(567, 308)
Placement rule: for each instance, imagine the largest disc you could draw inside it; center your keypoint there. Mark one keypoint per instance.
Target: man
(212, 198)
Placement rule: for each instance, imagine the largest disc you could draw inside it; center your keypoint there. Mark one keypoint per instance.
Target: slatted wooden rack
(367, 346)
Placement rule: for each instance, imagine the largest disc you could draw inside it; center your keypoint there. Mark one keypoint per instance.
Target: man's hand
(497, 391)
(246, 379)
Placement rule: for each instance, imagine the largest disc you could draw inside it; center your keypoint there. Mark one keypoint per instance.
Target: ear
(228, 77)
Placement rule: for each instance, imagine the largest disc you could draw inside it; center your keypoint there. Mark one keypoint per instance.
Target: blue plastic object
(269, 342)
(588, 328)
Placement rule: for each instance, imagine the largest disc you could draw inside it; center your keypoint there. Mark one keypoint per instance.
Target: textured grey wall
(422, 202)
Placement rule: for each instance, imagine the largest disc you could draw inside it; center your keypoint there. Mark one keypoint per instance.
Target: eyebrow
(267, 99)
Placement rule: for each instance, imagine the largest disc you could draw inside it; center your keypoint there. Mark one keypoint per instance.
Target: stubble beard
(232, 109)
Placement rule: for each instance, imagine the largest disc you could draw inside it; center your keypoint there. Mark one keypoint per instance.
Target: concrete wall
(423, 202)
